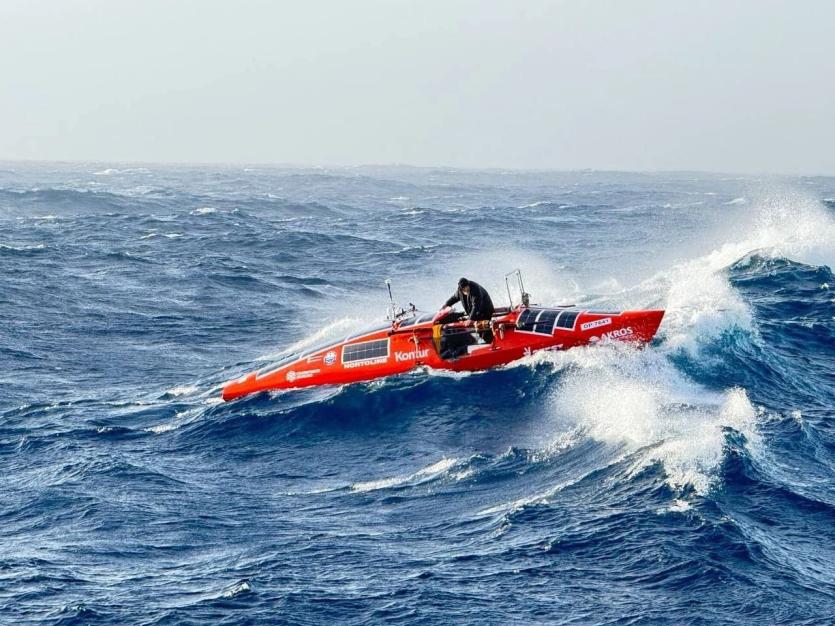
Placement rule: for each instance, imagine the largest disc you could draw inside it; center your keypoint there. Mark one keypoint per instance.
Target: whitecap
(678, 506)
(430, 472)
(161, 428)
(38, 246)
(640, 400)
(182, 390)
(243, 586)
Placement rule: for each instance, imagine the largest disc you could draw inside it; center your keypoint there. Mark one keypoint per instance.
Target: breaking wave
(688, 478)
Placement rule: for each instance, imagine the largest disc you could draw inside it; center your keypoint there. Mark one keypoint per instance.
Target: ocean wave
(111, 171)
(420, 477)
(701, 462)
(26, 249)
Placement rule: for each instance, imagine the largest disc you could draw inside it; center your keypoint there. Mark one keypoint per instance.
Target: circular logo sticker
(291, 376)
(330, 358)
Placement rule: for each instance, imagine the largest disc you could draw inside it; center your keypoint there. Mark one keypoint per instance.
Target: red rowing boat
(448, 341)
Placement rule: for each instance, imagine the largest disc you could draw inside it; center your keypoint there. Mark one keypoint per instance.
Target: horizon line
(458, 168)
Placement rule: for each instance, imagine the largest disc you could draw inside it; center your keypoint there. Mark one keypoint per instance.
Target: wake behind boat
(447, 340)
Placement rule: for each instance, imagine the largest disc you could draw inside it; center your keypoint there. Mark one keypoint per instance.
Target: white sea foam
(638, 399)
(430, 472)
(151, 235)
(112, 171)
(162, 428)
(543, 497)
(203, 210)
(237, 589)
(334, 330)
(449, 373)
(701, 303)
(37, 246)
(678, 506)
(182, 390)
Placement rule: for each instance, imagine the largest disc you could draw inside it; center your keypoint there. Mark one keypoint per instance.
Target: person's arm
(455, 298)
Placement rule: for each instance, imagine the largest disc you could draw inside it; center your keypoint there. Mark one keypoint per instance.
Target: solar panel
(365, 350)
(566, 319)
(526, 319)
(540, 321)
(545, 322)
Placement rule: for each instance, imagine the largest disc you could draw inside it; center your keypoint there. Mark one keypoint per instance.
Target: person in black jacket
(474, 298)
(476, 302)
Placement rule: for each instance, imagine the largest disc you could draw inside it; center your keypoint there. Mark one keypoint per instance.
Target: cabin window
(365, 350)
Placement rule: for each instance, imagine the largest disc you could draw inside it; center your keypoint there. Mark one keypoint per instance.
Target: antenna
(392, 312)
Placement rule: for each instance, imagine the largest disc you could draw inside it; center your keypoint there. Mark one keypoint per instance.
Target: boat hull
(420, 342)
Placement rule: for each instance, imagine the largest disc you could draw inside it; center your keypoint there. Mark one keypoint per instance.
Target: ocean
(689, 482)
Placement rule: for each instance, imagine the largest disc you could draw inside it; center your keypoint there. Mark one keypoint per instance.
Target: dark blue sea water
(691, 482)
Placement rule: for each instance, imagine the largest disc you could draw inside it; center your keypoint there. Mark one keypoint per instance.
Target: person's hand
(442, 313)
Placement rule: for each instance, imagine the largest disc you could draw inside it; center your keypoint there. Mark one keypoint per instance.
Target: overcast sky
(744, 86)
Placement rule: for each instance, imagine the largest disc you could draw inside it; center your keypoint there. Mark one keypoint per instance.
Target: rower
(477, 304)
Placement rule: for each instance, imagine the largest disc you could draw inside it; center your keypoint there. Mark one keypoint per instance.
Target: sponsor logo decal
(596, 323)
(293, 376)
(376, 361)
(620, 333)
(411, 356)
(330, 358)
